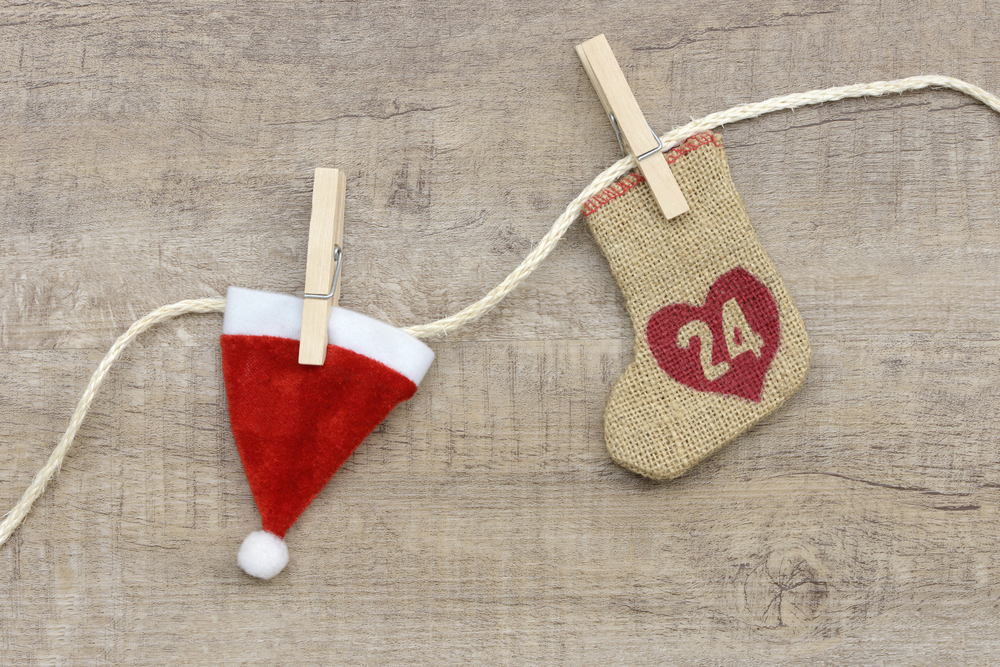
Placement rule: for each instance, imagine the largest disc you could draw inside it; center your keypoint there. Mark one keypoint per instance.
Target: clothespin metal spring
(638, 158)
(338, 255)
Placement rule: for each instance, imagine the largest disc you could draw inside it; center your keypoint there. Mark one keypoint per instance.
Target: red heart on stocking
(726, 345)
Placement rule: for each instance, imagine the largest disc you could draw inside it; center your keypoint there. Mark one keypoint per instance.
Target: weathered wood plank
(152, 152)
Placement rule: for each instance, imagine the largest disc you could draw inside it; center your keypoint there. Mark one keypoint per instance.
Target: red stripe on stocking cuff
(634, 178)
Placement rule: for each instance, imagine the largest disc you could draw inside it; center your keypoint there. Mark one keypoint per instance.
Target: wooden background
(157, 151)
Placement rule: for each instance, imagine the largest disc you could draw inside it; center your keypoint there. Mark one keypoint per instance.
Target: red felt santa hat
(295, 425)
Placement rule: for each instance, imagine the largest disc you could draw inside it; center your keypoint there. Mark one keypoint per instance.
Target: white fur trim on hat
(256, 313)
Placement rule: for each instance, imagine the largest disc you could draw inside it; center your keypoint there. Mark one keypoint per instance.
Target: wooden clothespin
(323, 260)
(630, 125)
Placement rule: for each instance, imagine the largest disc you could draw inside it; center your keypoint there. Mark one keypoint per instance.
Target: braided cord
(476, 310)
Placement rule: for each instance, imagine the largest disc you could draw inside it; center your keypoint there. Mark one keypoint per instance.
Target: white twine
(16, 515)
(473, 312)
(671, 139)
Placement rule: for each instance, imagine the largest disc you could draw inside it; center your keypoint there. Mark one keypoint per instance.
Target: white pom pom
(263, 554)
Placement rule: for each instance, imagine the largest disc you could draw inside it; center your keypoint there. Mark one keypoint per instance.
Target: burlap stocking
(718, 342)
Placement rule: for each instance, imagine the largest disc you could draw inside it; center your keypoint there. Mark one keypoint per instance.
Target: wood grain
(326, 238)
(157, 151)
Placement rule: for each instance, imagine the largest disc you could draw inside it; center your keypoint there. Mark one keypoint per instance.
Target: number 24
(740, 338)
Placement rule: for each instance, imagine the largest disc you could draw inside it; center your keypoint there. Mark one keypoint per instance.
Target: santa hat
(295, 425)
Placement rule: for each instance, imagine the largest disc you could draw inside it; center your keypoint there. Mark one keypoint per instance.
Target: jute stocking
(718, 342)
